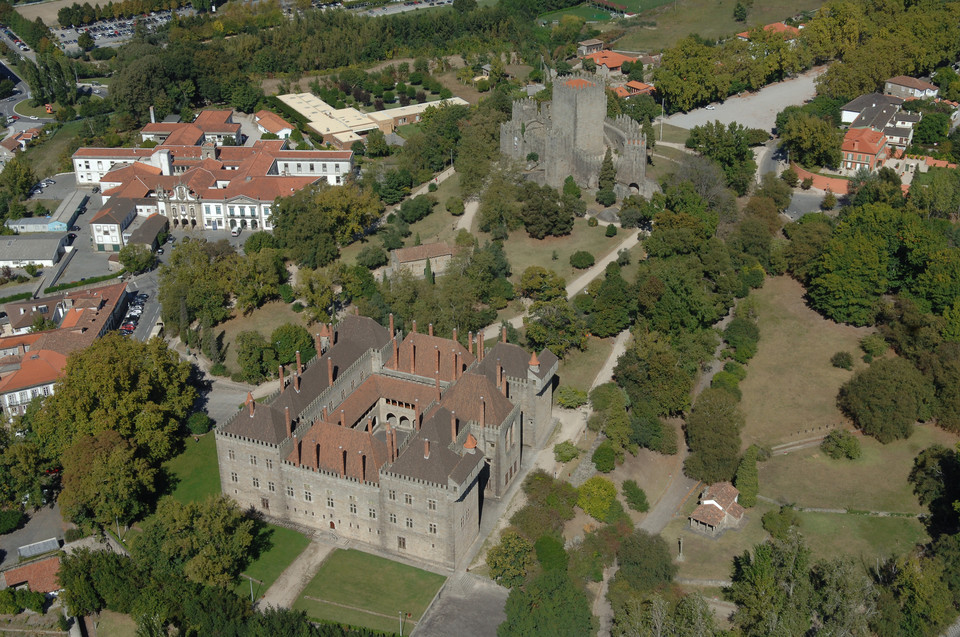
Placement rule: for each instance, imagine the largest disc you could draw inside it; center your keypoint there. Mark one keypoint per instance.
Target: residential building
(210, 127)
(18, 141)
(391, 441)
(107, 226)
(718, 510)
(586, 47)
(42, 249)
(39, 576)
(414, 260)
(60, 221)
(863, 148)
(149, 232)
(268, 122)
(341, 127)
(788, 32)
(31, 363)
(850, 111)
(609, 62)
(907, 87)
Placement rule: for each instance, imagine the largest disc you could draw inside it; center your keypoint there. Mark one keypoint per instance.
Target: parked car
(74, 228)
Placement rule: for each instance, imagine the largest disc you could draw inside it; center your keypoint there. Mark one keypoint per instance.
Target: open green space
(524, 251)
(264, 319)
(588, 12)
(708, 18)
(25, 109)
(406, 130)
(114, 624)
(861, 537)
(579, 369)
(195, 471)
(286, 545)
(46, 158)
(791, 387)
(366, 590)
(877, 481)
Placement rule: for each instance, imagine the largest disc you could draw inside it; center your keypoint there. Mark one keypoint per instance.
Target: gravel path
(287, 588)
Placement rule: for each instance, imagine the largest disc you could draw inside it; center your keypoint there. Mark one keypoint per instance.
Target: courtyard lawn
(365, 590)
(53, 154)
(791, 387)
(524, 251)
(861, 537)
(115, 624)
(195, 471)
(286, 545)
(877, 481)
(579, 369)
(264, 319)
(710, 19)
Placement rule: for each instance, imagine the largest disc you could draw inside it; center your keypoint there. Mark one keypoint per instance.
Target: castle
(390, 440)
(571, 134)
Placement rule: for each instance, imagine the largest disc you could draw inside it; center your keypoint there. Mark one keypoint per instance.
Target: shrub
(432, 187)
(372, 257)
(297, 307)
(747, 479)
(790, 177)
(779, 523)
(534, 521)
(455, 206)
(842, 360)
(606, 197)
(510, 559)
(605, 396)
(8, 602)
(72, 535)
(199, 423)
(726, 380)
(592, 222)
(219, 369)
(30, 600)
(551, 554)
(581, 260)
(565, 451)
(873, 344)
(635, 496)
(807, 183)
(839, 444)
(604, 458)
(10, 520)
(595, 497)
(533, 157)
(611, 230)
(286, 293)
(570, 397)
(829, 201)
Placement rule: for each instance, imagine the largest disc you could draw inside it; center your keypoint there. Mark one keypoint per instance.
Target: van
(235, 232)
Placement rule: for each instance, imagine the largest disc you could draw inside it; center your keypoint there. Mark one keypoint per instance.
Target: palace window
(433, 528)
(409, 523)
(256, 483)
(233, 476)
(271, 487)
(407, 498)
(269, 462)
(307, 496)
(373, 513)
(289, 492)
(230, 454)
(432, 505)
(393, 518)
(330, 501)
(253, 460)
(392, 494)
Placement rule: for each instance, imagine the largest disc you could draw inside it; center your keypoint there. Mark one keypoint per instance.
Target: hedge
(16, 297)
(88, 281)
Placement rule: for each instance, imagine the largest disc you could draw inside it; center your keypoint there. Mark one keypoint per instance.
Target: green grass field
(45, 159)
(523, 251)
(286, 546)
(264, 319)
(588, 12)
(579, 369)
(195, 471)
(111, 624)
(860, 536)
(365, 590)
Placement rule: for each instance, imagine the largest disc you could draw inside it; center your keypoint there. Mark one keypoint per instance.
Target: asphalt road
(43, 524)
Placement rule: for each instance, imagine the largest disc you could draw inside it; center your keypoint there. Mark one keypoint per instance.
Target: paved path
(470, 208)
(287, 588)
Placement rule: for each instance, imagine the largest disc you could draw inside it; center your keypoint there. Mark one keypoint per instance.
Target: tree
(596, 496)
(608, 174)
(540, 284)
(935, 478)
(316, 288)
(729, 147)
(747, 479)
(210, 540)
(510, 560)
(635, 496)
(887, 398)
(604, 458)
(104, 481)
(713, 435)
(556, 326)
(140, 390)
(845, 600)
(288, 339)
(811, 141)
(645, 561)
(932, 129)
(377, 144)
(740, 12)
(85, 41)
(840, 443)
(258, 241)
(258, 277)
(17, 178)
(256, 358)
(581, 259)
(549, 605)
(195, 283)
(542, 212)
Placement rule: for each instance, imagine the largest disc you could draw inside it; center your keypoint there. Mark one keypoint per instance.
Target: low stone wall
(835, 185)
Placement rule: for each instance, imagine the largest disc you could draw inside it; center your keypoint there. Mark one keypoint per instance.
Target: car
(142, 295)
(159, 250)
(128, 326)
(71, 236)
(74, 228)
(96, 91)
(34, 117)
(14, 117)
(711, 107)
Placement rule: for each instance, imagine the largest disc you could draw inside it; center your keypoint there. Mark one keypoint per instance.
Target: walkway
(287, 588)
(470, 208)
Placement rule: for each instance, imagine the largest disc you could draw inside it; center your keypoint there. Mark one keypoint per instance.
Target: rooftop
(912, 82)
(39, 576)
(609, 59)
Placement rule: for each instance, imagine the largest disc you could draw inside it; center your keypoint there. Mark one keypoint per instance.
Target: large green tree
(713, 435)
(549, 605)
(887, 398)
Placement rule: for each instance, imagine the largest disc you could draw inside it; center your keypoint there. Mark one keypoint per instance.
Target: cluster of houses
(609, 65)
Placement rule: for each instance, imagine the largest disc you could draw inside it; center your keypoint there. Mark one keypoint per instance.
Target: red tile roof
(864, 141)
(579, 83)
(37, 368)
(342, 450)
(39, 576)
(621, 91)
(610, 59)
(787, 31)
(272, 122)
(464, 399)
(912, 82)
(421, 252)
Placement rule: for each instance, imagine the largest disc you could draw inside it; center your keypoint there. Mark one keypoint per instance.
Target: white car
(710, 107)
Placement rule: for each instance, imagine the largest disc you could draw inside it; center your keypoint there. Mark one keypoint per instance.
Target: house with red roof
(18, 141)
(906, 87)
(40, 576)
(788, 32)
(210, 126)
(609, 62)
(268, 122)
(718, 510)
(863, 148)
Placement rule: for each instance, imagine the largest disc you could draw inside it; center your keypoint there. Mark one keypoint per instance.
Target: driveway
(474, 605)
(804, 201)
(754, 110)
(43, 525)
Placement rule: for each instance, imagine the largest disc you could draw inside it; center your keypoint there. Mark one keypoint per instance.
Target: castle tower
(579, 110)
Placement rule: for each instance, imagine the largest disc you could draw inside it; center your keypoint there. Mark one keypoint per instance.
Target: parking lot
(114, 32)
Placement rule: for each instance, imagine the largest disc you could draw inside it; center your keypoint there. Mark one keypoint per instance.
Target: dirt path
(465, 222)
(287, 588)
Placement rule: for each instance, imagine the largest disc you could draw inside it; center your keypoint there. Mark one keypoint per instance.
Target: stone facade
(571, 134)
(390, 440)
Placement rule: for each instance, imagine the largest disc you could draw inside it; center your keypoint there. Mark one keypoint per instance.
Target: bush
(604, 458)
(747, 479)
(219, 369)
(779, 523)
(297, 307)
(581, 260)
(286, 293)
(570, 397)
(455, 206)
(842, 360)
(72, 535)
(790, 177)
(606, 197)
(534, 521)
(829, 201)
(596, 495)
(199, 423)
(807, 183)
(551, 554)
(372, 257)
(592, 222)
(510, 559)
(873, 344)
(635, 496)
(611, 230)
(840, 444)
(565, 451)
(432, 187)
(10, 520)
(607, 395)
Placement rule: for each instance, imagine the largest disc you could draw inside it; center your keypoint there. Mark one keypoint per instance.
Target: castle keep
(388, 439)
(571, 134)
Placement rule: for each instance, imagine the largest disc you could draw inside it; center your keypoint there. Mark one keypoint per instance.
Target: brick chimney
(369, 425)
(296, 382)
(281, 379)
(470, 342)
(483, 413)
(430, 329)
(499, 374)
(329, 371)
(456, 361)
(396, 447)
(453, 426)
(363, 468)
(503, 387)
(480, 345)
(503, 334)
(286, 418)
(392, 333)
(316, 343)
(438, 387)
(426, 449)
(416, 413)
(296, 446)
(396, 354)
(250, 403)
(343, 462)
(414, 328)
(454, 334)
(324, 414)
(437, 349)
(299, 364)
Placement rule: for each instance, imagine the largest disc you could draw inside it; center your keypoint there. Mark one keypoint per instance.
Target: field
(365, 590)
(585, 11)
(791, 387)
(877, 481)
(45, 159)
(195, 470)
(264, 320)
(286, 546)
(858, 536)
(579, 369)
(47, 11)
(523, 251)
(111, 624)
(708, 18)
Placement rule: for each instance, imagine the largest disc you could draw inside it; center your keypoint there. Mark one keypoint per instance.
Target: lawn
(25, 109)
(588, 12)
(45, 158)
(195, 471)
(362, 589)
(524, 251)
(286, 546)
(709, 18)
(264, 320)
(579, 369)
(111, 624)
(791, 387)
(877, 481)
(860, 536)
(406, 130)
